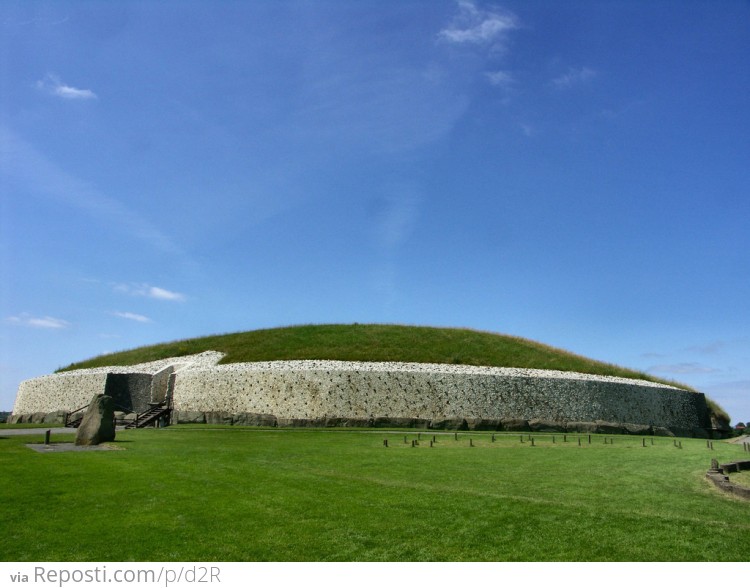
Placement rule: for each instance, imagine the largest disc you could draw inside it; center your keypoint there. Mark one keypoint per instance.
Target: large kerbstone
(484, 424)
(252, 419)
(545, 426)
(515, 425)
(98, 424)
(452, 424)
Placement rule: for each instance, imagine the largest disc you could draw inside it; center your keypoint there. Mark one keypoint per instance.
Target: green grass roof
(375, 343)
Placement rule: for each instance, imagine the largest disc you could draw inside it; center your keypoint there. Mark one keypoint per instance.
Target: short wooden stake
(434, 439)
(431, 443)
(553, 438)
(385, 442)
(455, 436)
(521, 438)
(712, 445)
(579, 441)
(532, 442)
(680, 442)
(413, 442)
(565, 438)
(493, 437)
(405, 441)
(644, 442)
(46, 437)
(471, 443)
(589, 439)
(707, 446)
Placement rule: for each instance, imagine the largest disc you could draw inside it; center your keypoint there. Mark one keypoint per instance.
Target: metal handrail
(68, 415)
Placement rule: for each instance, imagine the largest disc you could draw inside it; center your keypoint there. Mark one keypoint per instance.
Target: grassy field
(241, 494)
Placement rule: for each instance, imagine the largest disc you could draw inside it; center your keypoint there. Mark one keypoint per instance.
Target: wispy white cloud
(44, 322)
(479, 26)
(682, 368)
(24, 166)
(52, 85)
(574, 75)
(148, 291)
(131, 316)
(718, 346)
(500, 78)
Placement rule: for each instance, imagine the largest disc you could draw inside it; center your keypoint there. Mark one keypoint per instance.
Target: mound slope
(375, 343)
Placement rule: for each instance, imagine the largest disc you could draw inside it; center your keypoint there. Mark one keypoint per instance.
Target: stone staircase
(151, 416)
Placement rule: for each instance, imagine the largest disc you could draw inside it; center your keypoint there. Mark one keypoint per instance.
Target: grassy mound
(375, 343)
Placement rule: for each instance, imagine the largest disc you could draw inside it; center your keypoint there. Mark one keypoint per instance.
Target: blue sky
(572, 172)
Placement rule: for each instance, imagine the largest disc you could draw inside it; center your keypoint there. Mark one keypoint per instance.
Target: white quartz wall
(359, 390)
(314, 390)
(67, 392)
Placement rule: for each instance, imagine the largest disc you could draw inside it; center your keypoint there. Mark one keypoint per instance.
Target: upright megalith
(98, 423)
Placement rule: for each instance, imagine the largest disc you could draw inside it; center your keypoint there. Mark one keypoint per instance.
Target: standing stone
(98, 424)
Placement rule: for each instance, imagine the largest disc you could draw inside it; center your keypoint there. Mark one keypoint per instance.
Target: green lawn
(241, 494)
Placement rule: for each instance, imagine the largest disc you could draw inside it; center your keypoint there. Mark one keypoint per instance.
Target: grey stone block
(484, 424)
(515, 425)
(54, 418)
(253, 419)
(634, 429)
(283, 422)
(219, 417)
(347, 422)
(452, 424)
(184, 417)
(545, 426)
(397, 422)
(98, 424)
(607, 428)
(581, 427)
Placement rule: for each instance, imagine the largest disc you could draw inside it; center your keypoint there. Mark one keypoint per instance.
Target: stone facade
(293, 393)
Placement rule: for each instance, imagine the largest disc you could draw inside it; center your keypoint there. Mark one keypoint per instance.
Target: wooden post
(493, 437)
(405, 441)
(565, 438)
(434, 439)
(589, 439)
(532, 442)
(430, 443)
(385, 442)
(46, 437)
(471, 443)
(644, 442)
(579, 441)
(521, 438)
(455, 436)
(553, 438)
